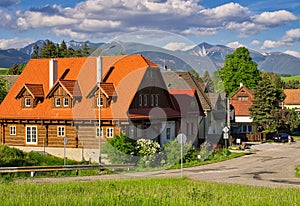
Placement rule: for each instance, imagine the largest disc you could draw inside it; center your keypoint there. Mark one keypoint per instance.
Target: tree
(239, 68)
(36, 51)
(16, 69)
(85, 49)
(264, 110)
(292, 84)
(209, 85)
(3, 88)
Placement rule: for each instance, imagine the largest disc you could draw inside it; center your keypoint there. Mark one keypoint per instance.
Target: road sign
(225, 135)
(225, 129)
(181, 138)
(65, 140)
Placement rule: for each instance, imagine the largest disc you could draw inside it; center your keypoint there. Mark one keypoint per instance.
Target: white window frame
(57, 100)
(152, 100)
(100, 101)
(97, 132)
(13, 130)
(31, 135)
(140, 100)
(61, 132)
(109, 132)
(27, 102)
(145, 100)
(156, 100)
(66, 101)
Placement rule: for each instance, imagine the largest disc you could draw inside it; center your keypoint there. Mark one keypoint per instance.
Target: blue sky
(264, 25)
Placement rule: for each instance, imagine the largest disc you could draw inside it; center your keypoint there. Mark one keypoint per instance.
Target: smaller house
(292, 99)
(240, 103)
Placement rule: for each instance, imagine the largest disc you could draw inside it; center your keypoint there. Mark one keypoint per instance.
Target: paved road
(272, 166)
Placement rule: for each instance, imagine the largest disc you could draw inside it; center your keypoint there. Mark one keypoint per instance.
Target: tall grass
(144, 192)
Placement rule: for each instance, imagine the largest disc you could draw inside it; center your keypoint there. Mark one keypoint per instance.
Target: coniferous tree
(264, 110)
(209, 85)
(36, 51)
(85, 49)
(64, 49)
(239, 68)
(3, 88)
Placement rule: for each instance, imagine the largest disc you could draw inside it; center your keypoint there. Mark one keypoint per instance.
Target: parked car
(282, 137)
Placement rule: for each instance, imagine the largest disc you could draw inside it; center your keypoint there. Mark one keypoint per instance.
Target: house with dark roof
(182, 83)
(292, 99)
(54, 99)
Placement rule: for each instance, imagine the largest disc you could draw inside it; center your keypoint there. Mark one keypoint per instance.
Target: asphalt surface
(272, 165)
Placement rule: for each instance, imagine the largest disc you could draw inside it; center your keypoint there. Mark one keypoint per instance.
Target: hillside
(200, 58)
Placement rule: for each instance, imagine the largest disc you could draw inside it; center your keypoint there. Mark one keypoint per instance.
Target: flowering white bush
(147, 147)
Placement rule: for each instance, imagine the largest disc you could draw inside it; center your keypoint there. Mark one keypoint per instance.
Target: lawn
(291, 78)
(3, 71)
(168, 191)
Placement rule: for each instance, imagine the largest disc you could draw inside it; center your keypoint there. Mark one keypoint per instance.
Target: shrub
(148, 152)
(120, 149)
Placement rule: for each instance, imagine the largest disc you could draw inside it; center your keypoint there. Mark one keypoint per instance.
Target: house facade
(292, 99)
(240, 118)
(194, 104)
(83, 99)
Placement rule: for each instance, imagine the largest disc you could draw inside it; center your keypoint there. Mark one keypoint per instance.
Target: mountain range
(200, 58)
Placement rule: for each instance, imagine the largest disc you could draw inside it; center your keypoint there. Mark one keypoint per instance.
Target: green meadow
(3, 71)
(167, 191)
(286, 79)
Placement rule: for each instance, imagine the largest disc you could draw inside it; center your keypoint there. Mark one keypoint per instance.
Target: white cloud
(174, 46)
(227, 10)
(290, 37)
(39, 20)
(69, 33)
(255, 43)
(235, 44)
(14, 43)
(200, 31)
(276, 17)
(293, 53)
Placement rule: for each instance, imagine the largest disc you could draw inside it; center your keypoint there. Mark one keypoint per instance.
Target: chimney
(53, 72)
(241, 84)
(99, 69)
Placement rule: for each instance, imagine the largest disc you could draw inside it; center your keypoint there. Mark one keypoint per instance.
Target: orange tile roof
(292, 96)
(126, 77)
(36, 90)
(241, 107)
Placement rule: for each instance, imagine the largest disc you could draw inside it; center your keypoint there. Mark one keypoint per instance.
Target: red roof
(124, 80)
(241, 100)
(292, 96)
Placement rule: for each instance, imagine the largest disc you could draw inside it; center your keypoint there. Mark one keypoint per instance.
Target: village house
(56, 102)
(292, 99)
(240, 119)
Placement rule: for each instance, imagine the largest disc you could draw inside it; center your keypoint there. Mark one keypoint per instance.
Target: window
(152, 100)
(66, 102)
(192, 128)
(187, 128)
(242, 98)
(27, 102)
(12, 130)
(31, 134)
(61, 131)
(140, 100)
(57, 102)
(97, 132)
(145, 100)
(100, 102)
(168, 133)
(156, 100)
(109, 132)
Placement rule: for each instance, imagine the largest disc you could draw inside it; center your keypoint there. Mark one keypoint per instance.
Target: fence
(34, 169)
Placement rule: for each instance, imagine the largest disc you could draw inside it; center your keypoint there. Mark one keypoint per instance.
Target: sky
(266, 26)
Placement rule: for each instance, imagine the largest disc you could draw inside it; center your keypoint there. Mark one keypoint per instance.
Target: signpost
(65, 144)
(181, 139)
(225, 135)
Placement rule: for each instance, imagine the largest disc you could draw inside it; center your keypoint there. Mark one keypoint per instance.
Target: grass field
(291, 78)
(3, 71)
(144, 192)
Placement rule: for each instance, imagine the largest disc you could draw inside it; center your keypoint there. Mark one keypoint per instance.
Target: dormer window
(66, 101)
(27, 102)
(57, 102)
(100, 102)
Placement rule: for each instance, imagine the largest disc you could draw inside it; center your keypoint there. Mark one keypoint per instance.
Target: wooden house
(57, 99)
(292, 99)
